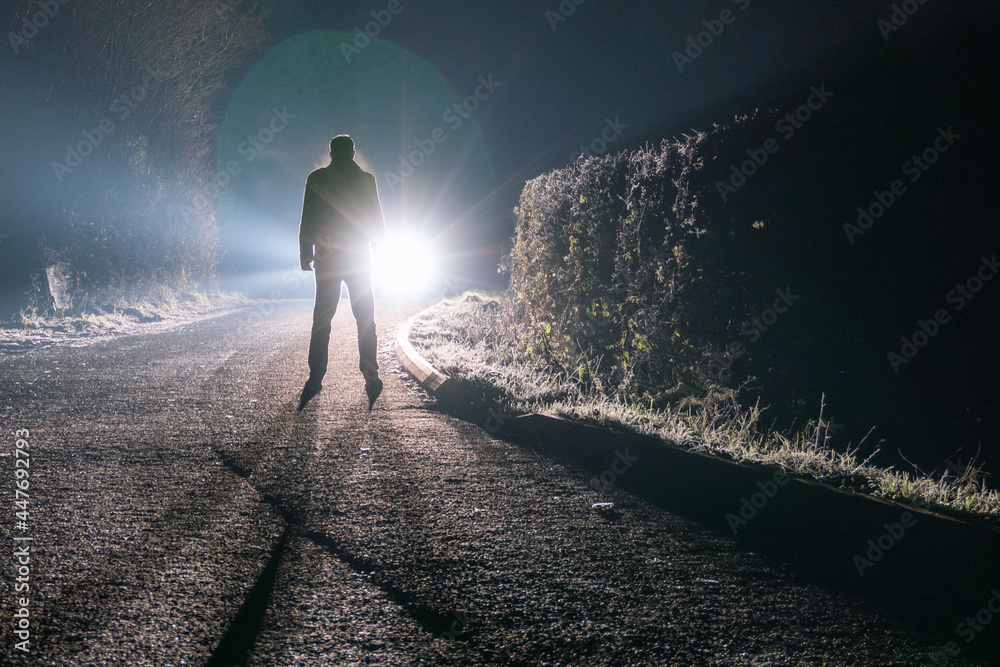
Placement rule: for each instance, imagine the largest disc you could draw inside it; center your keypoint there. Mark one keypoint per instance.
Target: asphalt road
(183, 513)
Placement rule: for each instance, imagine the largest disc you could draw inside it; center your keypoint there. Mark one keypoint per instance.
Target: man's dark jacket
(340, 215)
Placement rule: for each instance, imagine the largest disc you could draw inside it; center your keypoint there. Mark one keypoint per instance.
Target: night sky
(552, 78)
(564, 71)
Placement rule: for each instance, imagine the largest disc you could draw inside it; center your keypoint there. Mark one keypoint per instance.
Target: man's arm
(307, 227)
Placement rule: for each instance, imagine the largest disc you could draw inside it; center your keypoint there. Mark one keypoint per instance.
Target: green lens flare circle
(415, 132)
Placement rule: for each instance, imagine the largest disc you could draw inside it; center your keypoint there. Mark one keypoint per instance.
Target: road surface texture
(183, 513)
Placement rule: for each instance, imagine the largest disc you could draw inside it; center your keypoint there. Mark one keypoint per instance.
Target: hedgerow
(619, 272)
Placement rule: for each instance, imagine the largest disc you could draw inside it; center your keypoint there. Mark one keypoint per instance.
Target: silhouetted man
(341, 215)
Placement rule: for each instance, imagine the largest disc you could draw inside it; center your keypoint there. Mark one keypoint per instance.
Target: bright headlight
(405, 264)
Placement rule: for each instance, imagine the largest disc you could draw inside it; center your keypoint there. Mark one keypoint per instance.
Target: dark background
(558, 89)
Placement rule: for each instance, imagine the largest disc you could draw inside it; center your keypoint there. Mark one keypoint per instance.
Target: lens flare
(404, 265)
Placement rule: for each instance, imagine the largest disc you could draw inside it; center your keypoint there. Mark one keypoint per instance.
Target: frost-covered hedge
(619, 268)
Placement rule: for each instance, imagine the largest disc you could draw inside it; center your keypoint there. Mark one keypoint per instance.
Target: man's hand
(306, 264)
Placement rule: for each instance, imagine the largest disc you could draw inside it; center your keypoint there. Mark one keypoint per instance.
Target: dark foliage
(615, 258)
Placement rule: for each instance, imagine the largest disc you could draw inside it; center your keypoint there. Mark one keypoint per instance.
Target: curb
(935, 570)
(429, 377)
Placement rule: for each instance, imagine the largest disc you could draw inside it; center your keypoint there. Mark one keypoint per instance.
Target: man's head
(342, 148)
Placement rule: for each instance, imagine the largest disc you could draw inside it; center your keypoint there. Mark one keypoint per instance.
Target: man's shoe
(373, 388)
(308, 392)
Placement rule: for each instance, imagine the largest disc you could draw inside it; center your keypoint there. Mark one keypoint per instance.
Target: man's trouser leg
(359, 286)
(327, 299)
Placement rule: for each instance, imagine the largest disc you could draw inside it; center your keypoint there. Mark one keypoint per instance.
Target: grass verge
(34, 326)
(473, 339)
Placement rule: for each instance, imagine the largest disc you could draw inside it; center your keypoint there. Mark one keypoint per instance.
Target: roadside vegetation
(145, 82)
(641, 299)
(108, 312)
(137, 238)
(478, 340)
